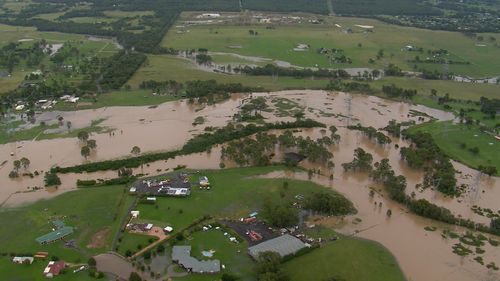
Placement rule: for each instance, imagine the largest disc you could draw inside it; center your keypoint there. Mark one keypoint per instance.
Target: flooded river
(423, 255)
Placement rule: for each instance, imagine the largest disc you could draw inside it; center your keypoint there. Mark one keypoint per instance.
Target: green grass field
(164, 67)
(278, 44)
(234, 194)
(457, 90)
(346, 259)
(133, 242)
(11, 33)
(34, 272)
(127, 14)
(89, 211)
(450, 138)
(233, 256)
(117, 98)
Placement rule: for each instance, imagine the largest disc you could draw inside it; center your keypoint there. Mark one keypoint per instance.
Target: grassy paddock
(163, 67)
(450, 138)
(33, 272)
(278, 44)
(348, 259)
(89, 211)
(233, 256)
(234, 194)
(456, 90)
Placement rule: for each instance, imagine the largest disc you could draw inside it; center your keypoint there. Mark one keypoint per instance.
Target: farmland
(359, 45)
(86, 215)
(458, 141)
(349, 259)
(164, 67)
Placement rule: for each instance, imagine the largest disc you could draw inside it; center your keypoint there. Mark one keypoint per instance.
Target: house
(177, 186)
(23, 260)
(182, 256)
(168, 229)
(283, 245)
(54, 268)
(134, 214)
(41, 255)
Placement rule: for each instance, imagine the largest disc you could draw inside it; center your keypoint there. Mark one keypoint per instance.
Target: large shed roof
(55, 235)
(283, 245)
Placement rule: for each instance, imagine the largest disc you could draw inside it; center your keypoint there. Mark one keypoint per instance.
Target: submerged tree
(92, 144)
(136, 150)
(85, 151)
(25, 162)
(83, 136)
(362, 161)
(17, 165)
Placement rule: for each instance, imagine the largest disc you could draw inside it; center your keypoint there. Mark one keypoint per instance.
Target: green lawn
(134, 242)
(450, 137)
(233, 256)
(10, 271)
(346, 259)
(118, 98)
(11, 83)
(278, 44)
(127, 14)
(89, 211)
(11, 33)
(234, 194)
(457, 90)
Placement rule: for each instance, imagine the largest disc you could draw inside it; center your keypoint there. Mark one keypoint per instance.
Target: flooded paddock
(423, 255)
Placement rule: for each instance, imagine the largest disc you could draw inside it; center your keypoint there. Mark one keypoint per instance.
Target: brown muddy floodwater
(423, 255)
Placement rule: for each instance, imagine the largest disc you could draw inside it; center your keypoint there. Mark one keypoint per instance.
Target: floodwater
(169, 126)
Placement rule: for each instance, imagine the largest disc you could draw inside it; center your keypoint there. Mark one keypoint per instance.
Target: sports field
(359, 45)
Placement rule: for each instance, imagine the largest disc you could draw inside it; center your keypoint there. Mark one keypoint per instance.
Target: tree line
(199, 143)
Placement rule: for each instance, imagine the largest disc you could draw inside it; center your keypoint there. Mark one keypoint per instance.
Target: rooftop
(283, 245)
(61, 231)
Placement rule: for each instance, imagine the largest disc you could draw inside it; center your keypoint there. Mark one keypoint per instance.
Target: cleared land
(278, 43)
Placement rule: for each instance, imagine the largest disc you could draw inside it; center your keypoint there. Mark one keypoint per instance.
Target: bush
(51, 179)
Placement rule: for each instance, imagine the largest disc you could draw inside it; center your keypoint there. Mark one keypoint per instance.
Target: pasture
(165, 67)
(347, 259)
(457, 140)
(342, 33)
(89, 211)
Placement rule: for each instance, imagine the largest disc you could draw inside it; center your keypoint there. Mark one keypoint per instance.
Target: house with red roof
(54, 268)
